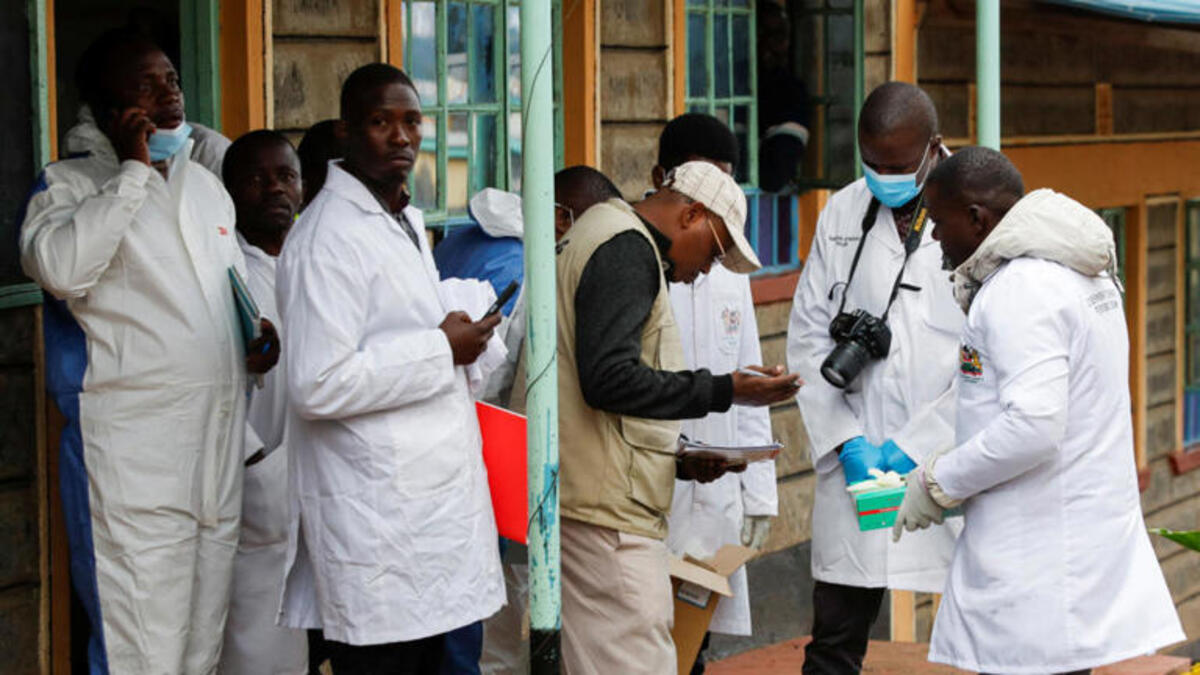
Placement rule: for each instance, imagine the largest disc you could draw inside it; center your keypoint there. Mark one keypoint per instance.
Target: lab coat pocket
(651, 462)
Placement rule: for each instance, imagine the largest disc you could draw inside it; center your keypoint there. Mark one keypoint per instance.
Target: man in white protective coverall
(872, 403)
(392, 541)
(263, 177)
(145, 359)
(1054, 572)
(715, 315)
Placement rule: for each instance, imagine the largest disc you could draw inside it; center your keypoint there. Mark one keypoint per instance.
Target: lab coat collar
(251, 251)
(344, 184)
(85, 138)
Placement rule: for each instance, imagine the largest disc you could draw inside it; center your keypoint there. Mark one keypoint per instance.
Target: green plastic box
(877, 508)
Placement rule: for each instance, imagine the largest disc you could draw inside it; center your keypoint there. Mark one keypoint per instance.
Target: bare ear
(340, 131)
(657, 176)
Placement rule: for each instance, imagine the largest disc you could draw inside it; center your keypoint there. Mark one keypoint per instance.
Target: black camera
(860, 337)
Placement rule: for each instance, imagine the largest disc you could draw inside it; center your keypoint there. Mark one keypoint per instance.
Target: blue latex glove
(857, 457)
(895, 459)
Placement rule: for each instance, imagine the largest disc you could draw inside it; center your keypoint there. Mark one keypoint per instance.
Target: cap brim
(741, 258)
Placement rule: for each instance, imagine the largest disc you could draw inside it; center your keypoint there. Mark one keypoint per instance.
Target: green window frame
(722, 80)
(1191, 390)
(464, 58)
(1115, 219)
(833, 58)
(722, 72)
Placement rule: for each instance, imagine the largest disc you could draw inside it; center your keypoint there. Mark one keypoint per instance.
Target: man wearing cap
(622, 390)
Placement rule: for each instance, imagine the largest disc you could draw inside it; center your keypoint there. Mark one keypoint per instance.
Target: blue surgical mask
(164, 143)
(895, 189)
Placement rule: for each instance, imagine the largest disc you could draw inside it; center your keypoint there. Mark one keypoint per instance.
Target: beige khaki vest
(615, 471)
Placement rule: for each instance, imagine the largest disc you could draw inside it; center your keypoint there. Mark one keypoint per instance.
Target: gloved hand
(858, 457)
(895, 459)
(755, 530)
(918, 509)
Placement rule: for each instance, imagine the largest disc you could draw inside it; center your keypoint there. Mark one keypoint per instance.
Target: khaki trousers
(616, 602)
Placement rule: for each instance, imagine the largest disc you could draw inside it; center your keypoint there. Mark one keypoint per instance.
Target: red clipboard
(504, 455)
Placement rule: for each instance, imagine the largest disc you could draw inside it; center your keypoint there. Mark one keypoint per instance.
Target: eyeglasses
(570, 213)
(720, 257)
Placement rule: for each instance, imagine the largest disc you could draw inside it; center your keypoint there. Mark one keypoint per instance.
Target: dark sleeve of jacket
(613, 300)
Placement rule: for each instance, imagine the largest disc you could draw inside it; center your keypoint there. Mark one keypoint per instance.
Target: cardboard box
(697, 585)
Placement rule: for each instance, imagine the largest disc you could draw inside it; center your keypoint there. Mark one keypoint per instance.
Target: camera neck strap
(912, 241)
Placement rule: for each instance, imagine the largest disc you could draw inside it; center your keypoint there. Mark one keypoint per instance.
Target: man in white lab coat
(1054, 571)
(263, 177)
(146, 361)
(392, 542)
(901, 404)
(715, 315)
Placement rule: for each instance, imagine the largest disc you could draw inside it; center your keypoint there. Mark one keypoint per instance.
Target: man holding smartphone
(393, 542)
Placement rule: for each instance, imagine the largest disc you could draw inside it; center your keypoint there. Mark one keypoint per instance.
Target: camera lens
(844, 363)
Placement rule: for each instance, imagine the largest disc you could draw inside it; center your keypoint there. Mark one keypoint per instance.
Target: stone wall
(1170, 500)
(21, 615)
(635, 80)
(315, 45)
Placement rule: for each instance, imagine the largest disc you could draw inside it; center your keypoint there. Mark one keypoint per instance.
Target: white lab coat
(141, 263)
(254, 645)
(392, 536)
(717, 323)
(1054, 571)
(907, 397)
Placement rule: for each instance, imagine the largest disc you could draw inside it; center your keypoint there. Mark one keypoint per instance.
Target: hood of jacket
(498, 213)
(1044, 224)
(85, 138)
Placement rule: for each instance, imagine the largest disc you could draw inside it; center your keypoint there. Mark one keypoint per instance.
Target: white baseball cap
(719, 193)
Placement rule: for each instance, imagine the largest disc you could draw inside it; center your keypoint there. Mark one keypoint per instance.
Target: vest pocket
(652, 446)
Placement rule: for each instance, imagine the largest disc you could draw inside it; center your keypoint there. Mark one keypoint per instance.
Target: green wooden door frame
(39, 78)
(200, 53)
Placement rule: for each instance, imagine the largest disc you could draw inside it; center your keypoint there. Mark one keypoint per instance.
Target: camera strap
(912, 241)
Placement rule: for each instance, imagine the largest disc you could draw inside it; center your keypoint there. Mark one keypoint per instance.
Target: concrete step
(905, 658)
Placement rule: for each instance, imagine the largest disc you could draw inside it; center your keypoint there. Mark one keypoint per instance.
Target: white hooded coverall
(1054, 571)
(254, 644)
(717, 325)
(145, 360)
(907, 397)
(392, 536)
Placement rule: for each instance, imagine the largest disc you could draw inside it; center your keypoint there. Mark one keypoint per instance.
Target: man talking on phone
(393, 540)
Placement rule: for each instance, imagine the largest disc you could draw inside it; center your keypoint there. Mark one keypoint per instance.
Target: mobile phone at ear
(504, 297)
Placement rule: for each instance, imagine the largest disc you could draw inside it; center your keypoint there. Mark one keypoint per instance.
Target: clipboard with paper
(249, 318)
(733, 454)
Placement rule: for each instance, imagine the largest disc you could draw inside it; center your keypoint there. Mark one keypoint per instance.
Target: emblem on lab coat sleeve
(731, 328)
(969, 365)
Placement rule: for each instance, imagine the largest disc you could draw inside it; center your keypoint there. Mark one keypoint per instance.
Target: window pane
(739, 3)
(514, 151)
(483, 71)
(423, 182)
(1193, 347)
(766, 229)
(483, 156)
(422, 51)
(742, 53)
(698, 108)
(456, 53)
(514, 55)
(721, 56)
(697, 74)
(839, 53)
(457, 159)
(741, 130)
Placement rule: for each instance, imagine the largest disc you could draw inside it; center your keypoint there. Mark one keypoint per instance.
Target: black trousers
(842, 620)
(419, 657)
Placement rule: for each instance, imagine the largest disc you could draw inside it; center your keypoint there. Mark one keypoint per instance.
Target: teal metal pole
(541, 340)
(987, 79)
(40, 84)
